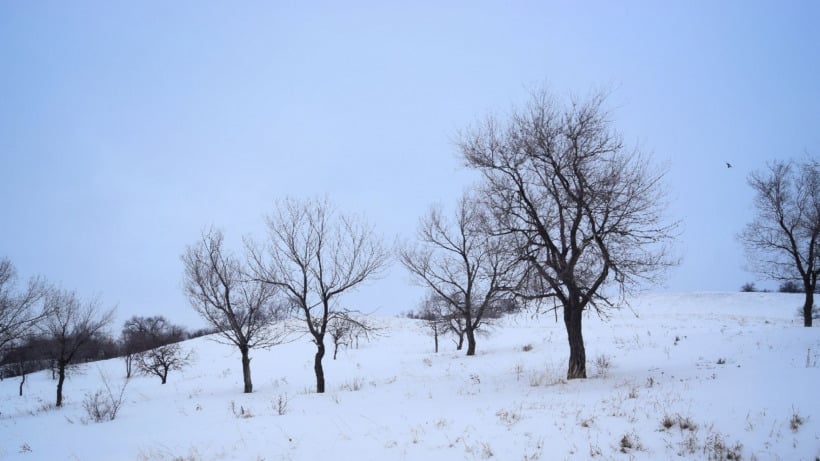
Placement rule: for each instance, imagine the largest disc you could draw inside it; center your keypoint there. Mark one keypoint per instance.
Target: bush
(748, 287)
(104, 404)
(790, 286)
(603, 364)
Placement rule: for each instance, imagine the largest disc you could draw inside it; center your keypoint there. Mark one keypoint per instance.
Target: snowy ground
(729, 374)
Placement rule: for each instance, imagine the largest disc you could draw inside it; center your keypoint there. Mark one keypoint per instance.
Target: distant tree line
(788, 286)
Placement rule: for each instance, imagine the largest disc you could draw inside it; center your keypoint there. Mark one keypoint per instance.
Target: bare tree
(582, 210)
(316, 255)
(71, 325)
(345, 330)
(140, 334)
(160, 360)
(18, 309)
(462, 264)
(245, 312)
(783, 240)
(435, 313)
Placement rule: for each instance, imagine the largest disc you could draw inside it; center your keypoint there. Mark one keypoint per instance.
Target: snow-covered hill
(676, 376)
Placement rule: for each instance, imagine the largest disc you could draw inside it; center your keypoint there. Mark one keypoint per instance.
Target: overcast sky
(128, 127)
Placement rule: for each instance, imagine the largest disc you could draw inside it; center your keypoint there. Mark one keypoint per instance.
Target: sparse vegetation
(240, 411)
(104, 404)
(602, 365)
(796, 421)
(716, 448)
(630, 442)
(280, 405)
(354, 385)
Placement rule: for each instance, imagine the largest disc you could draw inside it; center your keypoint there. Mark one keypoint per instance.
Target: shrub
(796, 421)
(603, 364)
(104, 404)
(748, 287)
(281, 404)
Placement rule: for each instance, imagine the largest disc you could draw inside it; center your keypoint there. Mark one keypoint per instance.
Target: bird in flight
(728, 165)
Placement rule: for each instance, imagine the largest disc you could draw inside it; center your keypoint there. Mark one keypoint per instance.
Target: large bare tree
(245, 312)
(19, 308)
(316, 255)
(584, 210)
(469, 268)
(71, 325)
(783, 240)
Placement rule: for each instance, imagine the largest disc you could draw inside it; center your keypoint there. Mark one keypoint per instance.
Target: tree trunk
(129, 360)
(317, 367)
(60, 380)
(460, 343)
(435, 338)
(246, 370)
(577, 354)
(335, 350)
(470, 339)
(22, 381)
(808, 306)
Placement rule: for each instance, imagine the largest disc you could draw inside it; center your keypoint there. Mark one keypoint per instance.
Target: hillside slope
(728, 373)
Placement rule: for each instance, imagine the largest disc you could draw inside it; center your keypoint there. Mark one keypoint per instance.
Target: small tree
(783, 240)
(245, 312)
(462, 264)
(435, 315)
(71, 325)
(140, 334)
(160, 360)
(315, 256)
(579, 208)
(346, 330)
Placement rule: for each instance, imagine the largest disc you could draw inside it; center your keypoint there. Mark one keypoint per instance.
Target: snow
(739, 366)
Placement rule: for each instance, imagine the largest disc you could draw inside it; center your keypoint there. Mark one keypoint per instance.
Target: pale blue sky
(127, 127)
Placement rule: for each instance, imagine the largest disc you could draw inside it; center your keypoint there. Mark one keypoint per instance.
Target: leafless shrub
(686, 424)
(630, 442)
(281, 404)
(104, 404)
(241, 412)
(716, 448)
(812, 360)
(518, 370)
(527, 347)
(509, 417)
(354, 385)
(796, 421)
(603, 364)
(689, 444)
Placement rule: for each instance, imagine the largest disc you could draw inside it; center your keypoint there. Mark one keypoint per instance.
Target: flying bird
(728, 165)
